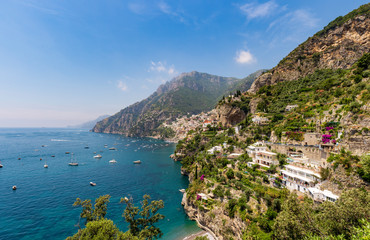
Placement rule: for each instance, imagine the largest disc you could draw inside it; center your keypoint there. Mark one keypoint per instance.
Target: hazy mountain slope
(189, 93)
(89, 124)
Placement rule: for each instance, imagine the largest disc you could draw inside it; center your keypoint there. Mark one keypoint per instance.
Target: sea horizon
(41, 207)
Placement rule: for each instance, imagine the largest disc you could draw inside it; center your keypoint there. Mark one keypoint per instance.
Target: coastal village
(301, 173)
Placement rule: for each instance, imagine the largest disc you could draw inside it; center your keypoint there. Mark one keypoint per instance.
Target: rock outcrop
(339, 47)
(228, 115)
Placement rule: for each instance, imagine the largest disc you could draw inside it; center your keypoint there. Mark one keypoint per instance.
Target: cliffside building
(290, 107)
(321, 196)
(300, 179)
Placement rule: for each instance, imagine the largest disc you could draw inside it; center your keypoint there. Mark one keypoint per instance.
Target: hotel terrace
(297, 178)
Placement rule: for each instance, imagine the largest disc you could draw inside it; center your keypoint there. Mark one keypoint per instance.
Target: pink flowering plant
(326, 138)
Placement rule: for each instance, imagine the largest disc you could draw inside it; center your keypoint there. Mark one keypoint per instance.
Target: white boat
(46, 165)
(14, 187)
(73, 163)
(137, 162)
(98, 156)
(112, 161)
(1, 165)
(112, 148)
(92, 184)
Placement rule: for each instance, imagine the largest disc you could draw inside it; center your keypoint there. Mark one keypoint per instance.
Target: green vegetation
(253, 194)
(363, 10)
(141, 220)
(190, 93)
(300, 218)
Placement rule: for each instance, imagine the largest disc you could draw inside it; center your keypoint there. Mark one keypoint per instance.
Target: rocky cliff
(338, 46)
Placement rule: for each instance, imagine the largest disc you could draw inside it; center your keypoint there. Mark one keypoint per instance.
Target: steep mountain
(90, 124)
(311, 114)
(189, 93)
(338, 46)
(325, 79)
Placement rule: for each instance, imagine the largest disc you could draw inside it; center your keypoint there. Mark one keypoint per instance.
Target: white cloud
(255, 10)
(165, 8)
(121, 85)
(161, 67)
(244, 57)
(137, 8)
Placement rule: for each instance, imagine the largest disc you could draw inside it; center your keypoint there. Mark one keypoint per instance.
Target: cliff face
(336, 48)
(189, 93)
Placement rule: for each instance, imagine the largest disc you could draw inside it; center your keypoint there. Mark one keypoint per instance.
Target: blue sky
(67, 62)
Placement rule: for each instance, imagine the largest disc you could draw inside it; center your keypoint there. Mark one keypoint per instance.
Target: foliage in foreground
(141, 220)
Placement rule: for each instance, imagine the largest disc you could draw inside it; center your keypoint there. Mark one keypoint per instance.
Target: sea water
(41, 207)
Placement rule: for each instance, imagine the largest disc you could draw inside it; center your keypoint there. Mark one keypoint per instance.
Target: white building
(260, 120)
(254, 148)
(214, 149)
(296, 178)
(290, 107)
(266, 159)
(321, 196)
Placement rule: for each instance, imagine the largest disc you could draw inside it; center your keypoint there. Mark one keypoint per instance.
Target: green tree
(99, 230)
(141, 221)
(91, 214)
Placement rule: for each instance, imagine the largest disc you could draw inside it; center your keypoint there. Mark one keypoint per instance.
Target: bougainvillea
(329, 128)
(202, 177)
(326, 138)
(198, 197)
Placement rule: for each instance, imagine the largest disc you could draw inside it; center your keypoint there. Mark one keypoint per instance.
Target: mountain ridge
(338, 46)
(188, 93)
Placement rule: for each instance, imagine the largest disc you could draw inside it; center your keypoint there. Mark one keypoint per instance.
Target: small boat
(19, 158)
(112, 161)
(105, 145)
(14, 187)
(73, 163)
(182, 190)
(46, 166)
(43, 145)
(98, 156)
(67, 152)
(1, 165)
(137, 162)
(87, 147)
(52, 155)
(92, 184)
(40, 159)
(112, 148)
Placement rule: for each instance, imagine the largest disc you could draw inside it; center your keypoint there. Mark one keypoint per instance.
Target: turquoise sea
(41, 207)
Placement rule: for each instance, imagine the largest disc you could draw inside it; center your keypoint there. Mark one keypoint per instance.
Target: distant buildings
(260, 120)
(214, 149)
(290, 107)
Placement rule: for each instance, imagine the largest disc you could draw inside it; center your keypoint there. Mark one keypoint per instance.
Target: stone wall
(315, 154)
